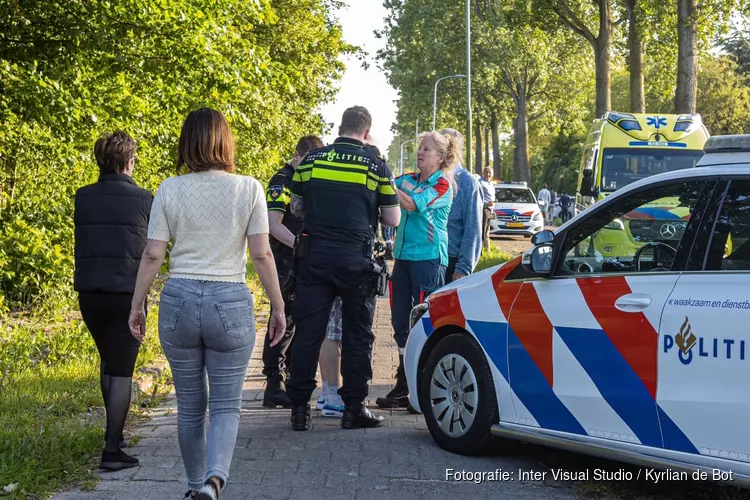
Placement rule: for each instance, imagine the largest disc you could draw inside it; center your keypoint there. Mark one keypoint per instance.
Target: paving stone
(399, 460)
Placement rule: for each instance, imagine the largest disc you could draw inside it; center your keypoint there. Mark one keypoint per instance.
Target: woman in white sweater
(206, 317)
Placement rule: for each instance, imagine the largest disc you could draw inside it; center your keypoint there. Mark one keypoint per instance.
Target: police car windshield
(507, 195)
(620, 167)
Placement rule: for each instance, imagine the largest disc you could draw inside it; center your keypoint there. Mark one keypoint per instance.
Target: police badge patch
(275, 191)
(393, 183)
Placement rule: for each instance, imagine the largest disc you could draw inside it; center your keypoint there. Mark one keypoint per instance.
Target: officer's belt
(353, 246)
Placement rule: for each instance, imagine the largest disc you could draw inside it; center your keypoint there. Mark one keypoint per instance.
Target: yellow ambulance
(622, 148)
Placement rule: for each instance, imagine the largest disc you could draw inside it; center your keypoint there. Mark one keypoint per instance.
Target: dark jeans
(412, 281)
(275, 358)
(324, 274)
(565, 214)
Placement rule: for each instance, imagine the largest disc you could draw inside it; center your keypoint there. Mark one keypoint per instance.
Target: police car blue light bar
(727, 143)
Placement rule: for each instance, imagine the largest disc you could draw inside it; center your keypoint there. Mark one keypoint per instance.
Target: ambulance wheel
(457, 396)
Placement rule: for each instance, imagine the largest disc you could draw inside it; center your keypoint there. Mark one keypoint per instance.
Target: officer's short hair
(356, 120)
(114, 151)
(307, 144)
(206, 142)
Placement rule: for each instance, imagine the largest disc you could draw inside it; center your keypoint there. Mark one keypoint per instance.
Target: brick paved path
(397, 461)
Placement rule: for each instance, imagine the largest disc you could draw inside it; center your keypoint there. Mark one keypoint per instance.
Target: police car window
(641, 233)
(730, 242)
(507, 195)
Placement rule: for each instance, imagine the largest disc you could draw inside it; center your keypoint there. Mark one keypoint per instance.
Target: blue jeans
(207, 328)
(412, 281)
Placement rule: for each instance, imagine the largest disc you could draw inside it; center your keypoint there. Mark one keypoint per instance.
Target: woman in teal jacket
(421, 247)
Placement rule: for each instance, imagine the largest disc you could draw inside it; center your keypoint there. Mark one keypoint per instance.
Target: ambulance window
(730, 239)
(640, 233)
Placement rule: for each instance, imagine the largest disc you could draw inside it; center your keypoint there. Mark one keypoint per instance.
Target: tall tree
(539, 71)
(635, 57)
(573, 13)
(687, 57)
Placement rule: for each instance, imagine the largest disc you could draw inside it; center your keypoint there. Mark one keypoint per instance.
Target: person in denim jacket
(421, 247)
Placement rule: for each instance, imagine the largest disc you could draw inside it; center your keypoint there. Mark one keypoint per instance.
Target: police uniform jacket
(343, 186)
(277, 199)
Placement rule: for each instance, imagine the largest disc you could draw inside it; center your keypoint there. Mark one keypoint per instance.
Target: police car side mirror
(541, 259)
(538, 259)
(541, 237)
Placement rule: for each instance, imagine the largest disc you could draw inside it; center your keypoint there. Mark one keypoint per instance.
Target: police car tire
(478, 439)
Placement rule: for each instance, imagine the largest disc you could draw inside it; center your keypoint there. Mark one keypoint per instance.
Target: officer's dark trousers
(323, 274)
(275, 358)
(412, 281)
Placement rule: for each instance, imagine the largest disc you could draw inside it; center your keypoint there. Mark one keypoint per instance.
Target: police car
(515, 211)
(642, 357)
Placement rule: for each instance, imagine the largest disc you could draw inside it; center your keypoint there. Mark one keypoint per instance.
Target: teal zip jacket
(423, 234)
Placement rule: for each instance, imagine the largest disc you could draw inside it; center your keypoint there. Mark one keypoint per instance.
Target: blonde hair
(447, 145)
(458, 139)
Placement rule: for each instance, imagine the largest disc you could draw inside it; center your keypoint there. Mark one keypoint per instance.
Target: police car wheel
(457, 396)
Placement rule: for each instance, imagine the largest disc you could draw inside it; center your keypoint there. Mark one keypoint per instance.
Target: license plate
(515, 224)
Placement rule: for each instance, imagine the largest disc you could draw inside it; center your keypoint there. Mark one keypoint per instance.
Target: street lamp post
(434, 98)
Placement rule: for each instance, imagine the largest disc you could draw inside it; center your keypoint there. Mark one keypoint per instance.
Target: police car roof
(511, 186)
(726, 150)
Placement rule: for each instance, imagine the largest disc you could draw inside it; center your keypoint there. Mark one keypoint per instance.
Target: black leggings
(106, 317)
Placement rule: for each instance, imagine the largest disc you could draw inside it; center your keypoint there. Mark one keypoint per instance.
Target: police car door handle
(633, 302)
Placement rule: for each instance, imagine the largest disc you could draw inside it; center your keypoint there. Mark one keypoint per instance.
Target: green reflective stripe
(275, 208)
(339, 176)
(297, 177)
(387, 189)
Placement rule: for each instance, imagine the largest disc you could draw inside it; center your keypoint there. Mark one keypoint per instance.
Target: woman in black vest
(111, 224)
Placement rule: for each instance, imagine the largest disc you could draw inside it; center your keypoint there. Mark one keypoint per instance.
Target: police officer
(339, 190)
(284, 227)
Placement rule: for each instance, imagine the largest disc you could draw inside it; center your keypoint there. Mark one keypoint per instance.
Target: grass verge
(492, 257)
(51, 408)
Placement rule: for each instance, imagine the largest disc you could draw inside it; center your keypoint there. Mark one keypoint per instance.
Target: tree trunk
(478, 147)
(486, 147)
(687, 62)
(602, 59)
(496, 167)
(635, 59)
(521, 170)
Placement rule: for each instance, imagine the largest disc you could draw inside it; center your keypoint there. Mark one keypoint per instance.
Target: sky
(360, 87)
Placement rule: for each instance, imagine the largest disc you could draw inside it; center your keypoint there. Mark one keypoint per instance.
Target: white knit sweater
(208, 216)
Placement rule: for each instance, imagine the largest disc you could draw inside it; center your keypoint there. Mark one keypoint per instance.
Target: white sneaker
(334, 407)
(321, 402)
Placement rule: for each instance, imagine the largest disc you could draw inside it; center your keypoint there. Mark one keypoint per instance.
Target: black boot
(117, 460)
(399, 396)
(301, 418)
(275, 396)
(358, 417)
